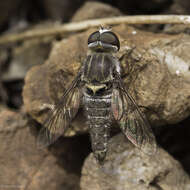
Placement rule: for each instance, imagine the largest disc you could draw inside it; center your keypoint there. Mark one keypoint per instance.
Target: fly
(99, 88)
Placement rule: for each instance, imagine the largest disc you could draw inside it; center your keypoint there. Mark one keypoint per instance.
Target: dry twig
(79, 26)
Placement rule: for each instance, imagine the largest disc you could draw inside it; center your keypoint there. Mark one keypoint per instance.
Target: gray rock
(126, 167)
(173, 53)
(23, 166)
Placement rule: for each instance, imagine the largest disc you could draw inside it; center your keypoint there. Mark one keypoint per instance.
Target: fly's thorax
(98, 68)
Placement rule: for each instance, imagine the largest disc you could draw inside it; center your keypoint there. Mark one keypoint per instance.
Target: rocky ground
(155, 65)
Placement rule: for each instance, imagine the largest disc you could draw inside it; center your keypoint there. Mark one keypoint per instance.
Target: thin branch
(79, 26)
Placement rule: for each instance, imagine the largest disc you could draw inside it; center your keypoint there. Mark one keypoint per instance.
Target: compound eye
(110, 38)
(94, 37)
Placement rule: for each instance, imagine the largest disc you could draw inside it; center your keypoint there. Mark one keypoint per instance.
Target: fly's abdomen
(97, 110)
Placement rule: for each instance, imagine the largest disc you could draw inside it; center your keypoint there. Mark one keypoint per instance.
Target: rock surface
(23, 166)
(64, 69)
(155, 83)
(126, 167)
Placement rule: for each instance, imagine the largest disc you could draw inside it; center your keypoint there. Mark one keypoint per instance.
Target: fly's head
(103, 40)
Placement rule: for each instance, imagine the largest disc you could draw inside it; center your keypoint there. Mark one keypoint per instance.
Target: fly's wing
(132, 121)
(60, 115)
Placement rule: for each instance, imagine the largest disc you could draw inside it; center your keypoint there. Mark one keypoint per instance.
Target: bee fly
(99, 88)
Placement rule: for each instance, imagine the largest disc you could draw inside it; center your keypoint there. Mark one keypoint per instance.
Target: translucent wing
(60, 116)
(132, 121)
